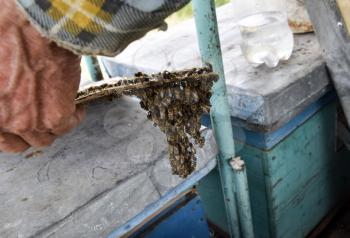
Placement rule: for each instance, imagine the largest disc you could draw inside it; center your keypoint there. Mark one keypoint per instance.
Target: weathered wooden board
(333, 36)
(303, 176)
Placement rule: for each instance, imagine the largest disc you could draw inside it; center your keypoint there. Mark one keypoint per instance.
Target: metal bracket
(237, 164)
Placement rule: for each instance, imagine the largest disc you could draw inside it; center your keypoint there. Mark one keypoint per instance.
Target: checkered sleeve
(97, 27)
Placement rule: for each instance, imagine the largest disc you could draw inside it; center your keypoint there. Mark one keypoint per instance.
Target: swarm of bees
(175, 102)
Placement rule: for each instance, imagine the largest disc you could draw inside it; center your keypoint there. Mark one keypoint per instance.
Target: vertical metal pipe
(93, 67)
(242, 196)
(209, 44)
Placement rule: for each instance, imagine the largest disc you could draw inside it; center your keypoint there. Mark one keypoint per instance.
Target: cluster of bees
(175, 102)
(176, 109)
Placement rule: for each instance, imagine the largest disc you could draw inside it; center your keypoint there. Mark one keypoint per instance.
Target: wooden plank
(344, 7)
(335, 42)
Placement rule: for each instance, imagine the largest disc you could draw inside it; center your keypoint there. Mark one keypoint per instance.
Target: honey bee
(139, 74)
(149, 115)
(205, 108)
(166, 101)
(166, 75)
(194, 96)
(171, 114)
(178, 93)
(187, 95)
(162, 112)
(161, 92)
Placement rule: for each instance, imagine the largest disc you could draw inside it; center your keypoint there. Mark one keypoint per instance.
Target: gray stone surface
(263, 98)
(91, 181)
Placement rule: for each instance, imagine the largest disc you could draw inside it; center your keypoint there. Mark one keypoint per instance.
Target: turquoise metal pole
(242, 196)
(209, 44)
(93, 67)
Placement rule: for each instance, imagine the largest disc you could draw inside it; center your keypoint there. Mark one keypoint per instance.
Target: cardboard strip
(344, 7)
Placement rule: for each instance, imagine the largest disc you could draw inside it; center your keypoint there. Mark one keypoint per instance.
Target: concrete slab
(91, 181)
(263, 98)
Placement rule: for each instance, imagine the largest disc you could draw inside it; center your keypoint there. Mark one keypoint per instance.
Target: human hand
(38, 84)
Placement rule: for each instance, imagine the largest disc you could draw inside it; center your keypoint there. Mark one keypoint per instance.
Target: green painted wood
(210, 191)
(301, 176)
(293, 185)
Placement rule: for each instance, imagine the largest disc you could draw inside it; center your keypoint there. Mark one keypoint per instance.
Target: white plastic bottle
(265, 35)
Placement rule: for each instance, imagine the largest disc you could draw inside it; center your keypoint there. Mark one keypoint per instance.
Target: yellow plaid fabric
(98, 27)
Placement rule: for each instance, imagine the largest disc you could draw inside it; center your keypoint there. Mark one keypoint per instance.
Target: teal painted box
(294, 183)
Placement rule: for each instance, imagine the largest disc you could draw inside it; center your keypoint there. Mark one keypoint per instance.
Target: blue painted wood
(302, 176)
(185, 221)
(154, 208)
(294, 184)
(267, 140)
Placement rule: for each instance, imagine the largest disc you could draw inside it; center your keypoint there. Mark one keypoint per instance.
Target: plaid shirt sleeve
(97, 27)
